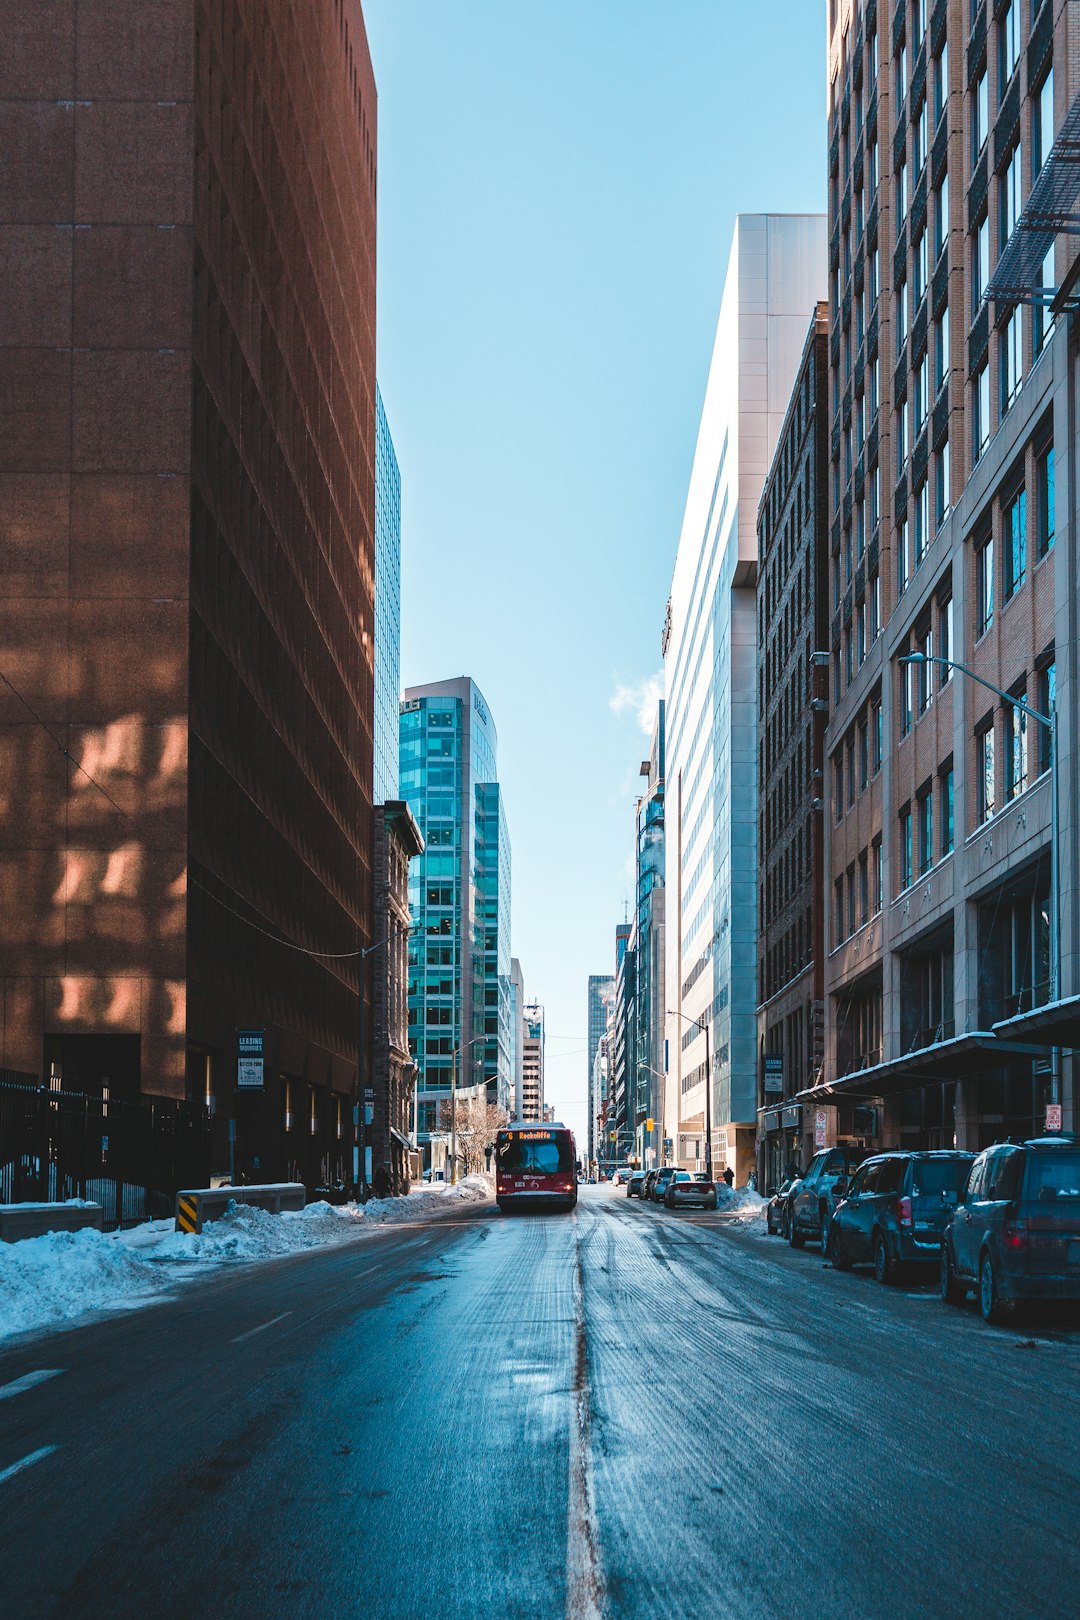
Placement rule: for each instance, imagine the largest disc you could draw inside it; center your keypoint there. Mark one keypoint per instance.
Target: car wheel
(785, 1225)
(991, 1306)
(794, 1236)
(884, 1269)
(710, 1203)
(836, 1250)
(948, 1282)
(826, 1228)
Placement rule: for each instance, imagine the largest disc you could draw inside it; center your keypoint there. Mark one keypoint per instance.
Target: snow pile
(742, 1204)
(48, 1280)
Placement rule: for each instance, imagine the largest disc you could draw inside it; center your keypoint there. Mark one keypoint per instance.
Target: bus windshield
(537, 1155)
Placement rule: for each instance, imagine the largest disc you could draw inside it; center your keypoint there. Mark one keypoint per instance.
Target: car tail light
(1014, 1234)
(903, 1211)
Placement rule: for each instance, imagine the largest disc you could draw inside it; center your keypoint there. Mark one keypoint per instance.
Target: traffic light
(649, 1123)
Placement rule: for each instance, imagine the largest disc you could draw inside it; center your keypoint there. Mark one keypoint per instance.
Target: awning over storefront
(961, 1058)
(1055, 1024)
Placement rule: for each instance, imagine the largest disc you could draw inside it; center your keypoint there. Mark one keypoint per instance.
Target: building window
(838, 786)
(864, 891)
(1016, 763)
(907, 687)
(1042, 122)
(919, 270)
(1015, 542)
(838, 910)
(942, 485)
(1044, 496)
(905, 848)
(921, 522)
(903, 565)
(945, 640)
(1042, 322)
(980, 117)
(980, 399)
(877, 739)
(925, 804)
(850, 900)
(925, 671)
(920, 394)
(901, 197)
(901, 315)
(984, 771)
(945, 788)
(851, 770)
(919, 139)
(864, 755)
(873, 601)
(941, 216)
(984, 586)
(1009, 44)
(980, 263)
(1009, 193)
(941, 350)
(941, 82)
(1011, 360)
(1047, 698)
(901, 74)
(875, 876)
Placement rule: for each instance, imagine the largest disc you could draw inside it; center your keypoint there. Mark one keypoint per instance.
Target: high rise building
(387, 607)
(950, 511)
(793, 624)
(650, 1007)
(776, 275)
(601, 998)
(398, 841)
(532, 1098)
(459, 891)
(517, 1037)
(187, 492)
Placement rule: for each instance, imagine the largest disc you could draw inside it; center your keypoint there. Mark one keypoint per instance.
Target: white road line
(262, 1327)
(26, 1462)
(28, 1381)
(584, 1574)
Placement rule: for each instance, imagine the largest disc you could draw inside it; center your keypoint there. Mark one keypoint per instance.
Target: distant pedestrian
(729, 1176)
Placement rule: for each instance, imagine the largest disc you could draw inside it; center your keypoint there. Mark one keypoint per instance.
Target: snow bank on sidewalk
(51, 1281)
(742, 1204)
(46, 1281)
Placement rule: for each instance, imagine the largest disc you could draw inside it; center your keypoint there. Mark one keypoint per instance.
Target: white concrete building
(776, 274)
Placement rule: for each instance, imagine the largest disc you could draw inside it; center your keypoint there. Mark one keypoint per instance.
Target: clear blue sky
(558, 182)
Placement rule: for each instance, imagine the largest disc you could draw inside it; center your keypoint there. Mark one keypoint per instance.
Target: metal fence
(131, 1157)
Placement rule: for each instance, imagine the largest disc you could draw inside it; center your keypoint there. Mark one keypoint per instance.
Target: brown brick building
(187, 418)
(793, 626)
(950, 538)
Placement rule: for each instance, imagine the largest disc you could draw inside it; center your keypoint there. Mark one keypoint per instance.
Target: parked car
(635, 1183)
(894, 1210)
(647, 1186)
(684, 1189)
(621, 1174)
(1015, 1235)
(660, 1184)
(778, 1209)
(811, 1205)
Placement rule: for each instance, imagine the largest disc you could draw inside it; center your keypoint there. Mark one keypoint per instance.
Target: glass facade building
(459, 899)
(387, 608)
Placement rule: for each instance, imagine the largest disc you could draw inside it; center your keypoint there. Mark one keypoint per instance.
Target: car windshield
(1053, 1175)
(932, 1177)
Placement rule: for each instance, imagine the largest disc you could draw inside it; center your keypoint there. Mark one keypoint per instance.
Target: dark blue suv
(895, 1208)
(1015, 1234)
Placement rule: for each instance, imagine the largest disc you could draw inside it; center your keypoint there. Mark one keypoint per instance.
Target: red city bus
(535, 1164)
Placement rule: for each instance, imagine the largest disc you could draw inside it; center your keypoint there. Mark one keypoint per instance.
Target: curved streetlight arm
(1006, 697)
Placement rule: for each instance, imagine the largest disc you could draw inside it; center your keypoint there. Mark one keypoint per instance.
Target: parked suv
(812, 1204)
(660, 1183)
(894, 1210)
(1016, 1234)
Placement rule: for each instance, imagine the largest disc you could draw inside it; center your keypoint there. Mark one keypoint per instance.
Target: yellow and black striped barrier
(195, 1206)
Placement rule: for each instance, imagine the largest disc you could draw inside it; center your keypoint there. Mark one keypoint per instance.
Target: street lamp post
(659, 1116)
(702, 1024)
(1050, 721)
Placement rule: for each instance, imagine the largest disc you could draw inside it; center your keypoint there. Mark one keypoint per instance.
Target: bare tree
(478, 1121)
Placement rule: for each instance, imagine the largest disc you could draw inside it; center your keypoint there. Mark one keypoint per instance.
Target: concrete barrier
(18, 1221)
(197, 1205)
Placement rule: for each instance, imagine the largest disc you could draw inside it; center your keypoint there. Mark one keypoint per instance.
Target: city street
(621, 1413)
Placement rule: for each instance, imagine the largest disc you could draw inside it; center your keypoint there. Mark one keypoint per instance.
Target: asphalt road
(625, 1413)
